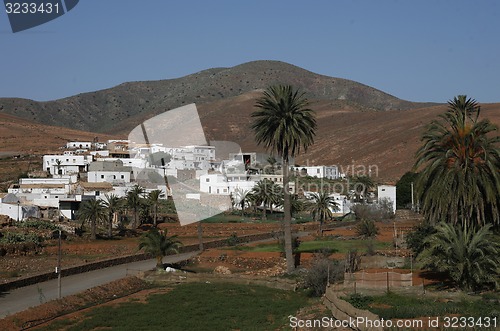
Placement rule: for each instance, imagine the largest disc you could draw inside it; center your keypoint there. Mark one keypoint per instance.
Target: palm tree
(159, 244)
(113, 204)
(134, 201)
(267, 193)
(460, 181)
(241, 198)
(321, 207)
(284, 124)
(92, 211)
(470, 257)
(271, 160)
(154, 201)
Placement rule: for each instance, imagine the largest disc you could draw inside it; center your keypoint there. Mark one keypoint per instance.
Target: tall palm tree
(321, 207)
(470, 256)
(92, 211)
(460, 157)
(159, 244)
(134, 201)
(241, 199)
(284, 124)
(113, 204)
(154, 202)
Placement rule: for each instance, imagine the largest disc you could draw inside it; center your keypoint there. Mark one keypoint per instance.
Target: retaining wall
(344, 311)
(121, 260)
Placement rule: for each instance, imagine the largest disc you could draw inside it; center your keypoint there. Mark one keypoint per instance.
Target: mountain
(359, 127)
(120, 108)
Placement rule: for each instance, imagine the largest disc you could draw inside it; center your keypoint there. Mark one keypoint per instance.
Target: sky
(425, 50)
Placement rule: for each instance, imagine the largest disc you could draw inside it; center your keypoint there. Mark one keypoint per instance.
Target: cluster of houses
(89, 170)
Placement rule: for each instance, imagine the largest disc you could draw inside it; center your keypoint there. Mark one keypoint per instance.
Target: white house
(79, 145)
(109, 171)
(65, 164)
(387, 192)
(330, 172)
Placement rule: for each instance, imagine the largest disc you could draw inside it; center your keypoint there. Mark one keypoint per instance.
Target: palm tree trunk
(155, 215)
(264, 212)
(290, 263)
(93, 229)
(110, 224)
(200, 236)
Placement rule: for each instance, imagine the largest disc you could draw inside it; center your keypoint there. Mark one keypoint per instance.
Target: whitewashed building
(387, 192)
(329, 172)
(66, 164)
(79, 145)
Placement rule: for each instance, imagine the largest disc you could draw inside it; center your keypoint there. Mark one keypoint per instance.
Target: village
(90, 170)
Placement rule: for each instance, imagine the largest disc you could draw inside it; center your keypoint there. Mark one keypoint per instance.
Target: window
(317, 171)
(97, 193)
(207, 180)
(383, 190)
(102, 176)
(123, 176)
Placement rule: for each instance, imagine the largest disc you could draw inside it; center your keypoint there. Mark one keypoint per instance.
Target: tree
(403, 190)
(241, 199)
(460, 158)
(113, 204)
(267, 193)
(321, 207)
(271, 160)
(158, 244)
(284, 124)
(470, 255)
(134, 201)
(154, 202)
(92, 211)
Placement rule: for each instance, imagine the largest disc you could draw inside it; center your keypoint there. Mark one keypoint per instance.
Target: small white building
(329, 172)
(65, 164)
(387, 192)
(79, 145)
(109, 171)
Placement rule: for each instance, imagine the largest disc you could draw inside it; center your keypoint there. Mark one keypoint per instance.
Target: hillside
(118, 109)
(357, 125)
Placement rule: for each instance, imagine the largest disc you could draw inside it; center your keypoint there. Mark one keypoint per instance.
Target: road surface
(23, 298)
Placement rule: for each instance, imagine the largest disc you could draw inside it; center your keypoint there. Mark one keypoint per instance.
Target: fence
(387, 280)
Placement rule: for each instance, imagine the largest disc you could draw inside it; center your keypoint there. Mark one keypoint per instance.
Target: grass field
(335, 246)
(196, 307)
(394, 305)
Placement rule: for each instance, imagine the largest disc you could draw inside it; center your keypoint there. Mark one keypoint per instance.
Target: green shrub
(320, 272)
(233, 240)
(19, 237)
(367, 228)
(39, 224)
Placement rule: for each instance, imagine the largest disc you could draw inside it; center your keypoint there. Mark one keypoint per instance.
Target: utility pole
(58, 268)
(412, 203)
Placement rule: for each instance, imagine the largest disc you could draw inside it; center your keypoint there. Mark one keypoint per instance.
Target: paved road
(24, 297)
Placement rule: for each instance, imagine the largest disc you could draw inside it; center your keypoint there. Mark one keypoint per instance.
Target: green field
(335, 246)
(196, 307)
(394, 305)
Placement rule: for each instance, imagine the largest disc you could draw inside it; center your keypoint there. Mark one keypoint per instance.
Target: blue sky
(416, 50)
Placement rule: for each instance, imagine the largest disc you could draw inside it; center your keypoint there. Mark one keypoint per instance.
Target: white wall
(387, 192)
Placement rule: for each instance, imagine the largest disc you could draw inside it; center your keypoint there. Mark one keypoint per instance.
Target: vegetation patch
(393, 305)
(189, 306)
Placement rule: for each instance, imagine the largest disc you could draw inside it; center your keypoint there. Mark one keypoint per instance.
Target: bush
(353, 261)
(233, 240)
(18, 237)
(378, 211)
(317, 276)
(367, 228)
(39, 224)
(415, 239)
(360, 301)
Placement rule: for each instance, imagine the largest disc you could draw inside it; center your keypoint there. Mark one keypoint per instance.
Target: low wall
(386, 280)
(344, 311)
(121, 260)
(168, 278)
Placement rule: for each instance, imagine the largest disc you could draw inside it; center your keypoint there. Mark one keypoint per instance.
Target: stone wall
(344, 311)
